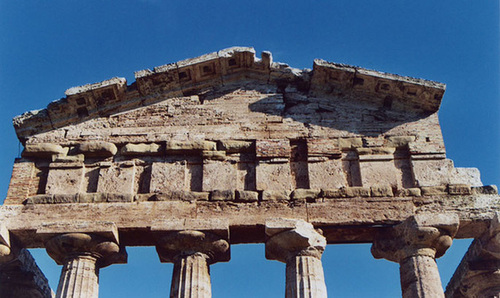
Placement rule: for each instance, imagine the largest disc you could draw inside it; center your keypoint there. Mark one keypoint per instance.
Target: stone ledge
(343, 220)
(310, 195)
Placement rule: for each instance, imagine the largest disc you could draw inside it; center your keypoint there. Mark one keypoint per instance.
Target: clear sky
(47, 47)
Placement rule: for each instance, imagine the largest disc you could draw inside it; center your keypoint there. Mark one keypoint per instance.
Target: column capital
(179, 244)
(6, 254)
(291, 238)
(478, 274)
(422, 234)
(63, 247)
(490, 241)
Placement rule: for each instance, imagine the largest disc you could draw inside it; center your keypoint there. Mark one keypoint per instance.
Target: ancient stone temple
(228, 148)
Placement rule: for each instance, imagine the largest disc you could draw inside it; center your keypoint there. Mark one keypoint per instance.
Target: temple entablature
(228, 148)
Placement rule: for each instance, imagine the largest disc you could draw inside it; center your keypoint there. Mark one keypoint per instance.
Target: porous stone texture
(141, 149)
(81, 256)
(42, 150)
(415, 244)
(300, 248)
(268, 127)
(116, 178)
(97, 148)
(230, 136)
(65, 178)
(21, 278)
(327, 174)
(192, 252)
(168, 177)
(219, 175)
(478, 274)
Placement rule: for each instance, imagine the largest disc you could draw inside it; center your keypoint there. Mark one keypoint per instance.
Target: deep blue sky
(47, 47)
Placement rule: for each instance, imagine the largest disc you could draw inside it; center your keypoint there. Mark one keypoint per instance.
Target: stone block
(380, 172)
(323, 147)
(355, 191)
(141, 149)
(247, 196)
(214, 155)
(179, 195)
(273, 148)
(65, 180)
(399, 141)
(332, 193)
(380, 153)
(65, 198)
(219, 175)
(328, 174)
(40, 199)
(278, 225)
(103, 228)
(408, 192)
(42, 150)
(275, 195)
(485, 190)
(168, 176)
(119, 197)
(97, 149)
(349, 143)
(78, 158)
(274, 176)
(434, 190)
(191, 145)
(432, 172)
(91, 197)
(222, 195)
(233, 146)
(305, 194)
(346, 192)
(100, 197)
(381, 191)
(196, 196)
(118, 178)
(459, 189)
(142, 197)
(470, 176)
(216, 225)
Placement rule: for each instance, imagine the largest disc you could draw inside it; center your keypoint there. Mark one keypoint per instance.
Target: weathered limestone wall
(251, 125)
(21, 278)
(207, 152)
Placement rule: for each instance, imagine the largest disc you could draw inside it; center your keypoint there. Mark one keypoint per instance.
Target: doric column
(300, 246)
(82, 255)
(415, 244)
(478, 274)
(192, 252)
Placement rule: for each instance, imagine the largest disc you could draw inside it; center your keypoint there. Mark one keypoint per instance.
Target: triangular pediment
(270, 92)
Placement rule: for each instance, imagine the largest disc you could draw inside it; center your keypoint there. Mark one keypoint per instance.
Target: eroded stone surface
(415, 244)
(228, 135)
(81, 256)
(300, 246)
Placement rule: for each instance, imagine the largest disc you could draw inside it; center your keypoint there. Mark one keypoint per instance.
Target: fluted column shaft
(191, 277)
(305, 278)
(79, 275)
(300, 248)
(415, 269)
(81, 256)
(192, 252)
(415, 244)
